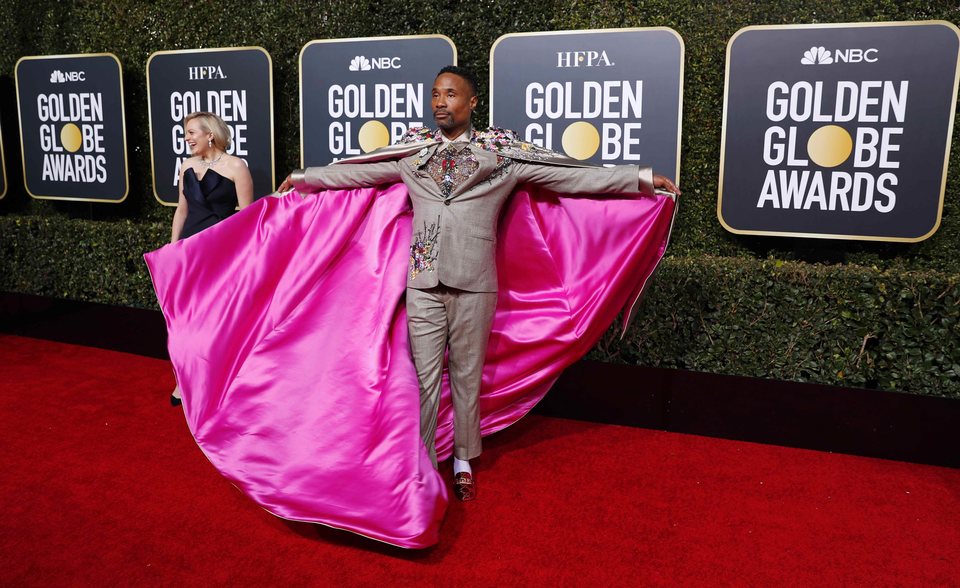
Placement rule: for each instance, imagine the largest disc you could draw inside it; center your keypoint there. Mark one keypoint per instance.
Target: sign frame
(153, 164)
(123, 128)
(303, 50)
(723, 139)
(683, 59)
(3, 167)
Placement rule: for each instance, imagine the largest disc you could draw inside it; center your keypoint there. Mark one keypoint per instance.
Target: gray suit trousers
(437, 317)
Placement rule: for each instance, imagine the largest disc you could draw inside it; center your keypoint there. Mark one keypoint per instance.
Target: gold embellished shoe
(464, 486)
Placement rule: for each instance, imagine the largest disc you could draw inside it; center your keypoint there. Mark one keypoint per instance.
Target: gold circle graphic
(373, 135)
(829, 146)
(70, 137)
(581, 140)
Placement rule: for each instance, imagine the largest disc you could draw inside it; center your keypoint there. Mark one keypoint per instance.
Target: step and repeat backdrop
(234, 83)
(357, 95)
(839, 131)
(829, 131)
(72, 127)
(607, 97)
(3, 168)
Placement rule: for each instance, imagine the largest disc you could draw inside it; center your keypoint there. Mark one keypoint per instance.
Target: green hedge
(863, 314)
(844, 325)
(93, 261)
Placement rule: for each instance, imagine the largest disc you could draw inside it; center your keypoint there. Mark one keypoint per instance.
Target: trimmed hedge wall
(843, 325)
(833, 324)
(861, 314)
(94, 261)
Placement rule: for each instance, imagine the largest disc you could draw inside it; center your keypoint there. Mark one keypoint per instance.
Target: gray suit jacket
(455, 240)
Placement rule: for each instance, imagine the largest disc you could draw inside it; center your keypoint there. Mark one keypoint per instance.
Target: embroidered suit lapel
(418, 162)
(486, 161)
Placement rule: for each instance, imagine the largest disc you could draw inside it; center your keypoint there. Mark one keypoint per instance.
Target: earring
(209, 142)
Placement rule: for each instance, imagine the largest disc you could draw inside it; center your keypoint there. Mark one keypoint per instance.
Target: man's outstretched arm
(621, 179)
(342, 176)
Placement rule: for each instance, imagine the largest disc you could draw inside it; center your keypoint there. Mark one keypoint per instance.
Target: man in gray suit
(458, 180)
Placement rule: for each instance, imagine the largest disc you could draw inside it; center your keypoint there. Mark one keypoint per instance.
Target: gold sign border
(355, 40)
(153, 164)
(123, 121)
(3, 168)
(946, 156)
(683, 59)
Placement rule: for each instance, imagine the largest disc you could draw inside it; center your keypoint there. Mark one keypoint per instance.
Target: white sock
(461, 465)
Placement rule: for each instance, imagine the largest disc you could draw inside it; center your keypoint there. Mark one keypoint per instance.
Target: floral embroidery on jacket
(507, 143)
(451, 167)
(495, 139)
(503, 164)
(418, 134)
(423, 250)
(503, 142)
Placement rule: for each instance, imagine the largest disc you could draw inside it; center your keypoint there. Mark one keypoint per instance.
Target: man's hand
(286, 185)
(665, 183)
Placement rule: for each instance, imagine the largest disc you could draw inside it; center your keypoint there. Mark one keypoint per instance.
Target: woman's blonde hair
(211, 123)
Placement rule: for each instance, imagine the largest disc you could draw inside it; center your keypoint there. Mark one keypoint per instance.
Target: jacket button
(446, 202)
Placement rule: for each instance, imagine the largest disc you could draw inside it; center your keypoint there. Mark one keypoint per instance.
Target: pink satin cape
(287, 333)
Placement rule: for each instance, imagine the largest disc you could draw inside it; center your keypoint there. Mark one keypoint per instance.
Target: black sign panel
(357, 95)
(605, 96)
(72, 127)
(3, 169)
(838, 131)
(234, 83)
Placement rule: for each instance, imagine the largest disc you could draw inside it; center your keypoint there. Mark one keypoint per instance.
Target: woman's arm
(243, 181)
(180, 214)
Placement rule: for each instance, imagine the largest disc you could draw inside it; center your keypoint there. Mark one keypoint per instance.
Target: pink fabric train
(288, 336)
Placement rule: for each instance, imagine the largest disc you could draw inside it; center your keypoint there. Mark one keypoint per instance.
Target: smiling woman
(205, 201)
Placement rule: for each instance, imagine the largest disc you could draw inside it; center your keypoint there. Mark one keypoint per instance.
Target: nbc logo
(816, 56)
(360, 63)
(822, 56)
(58, 77)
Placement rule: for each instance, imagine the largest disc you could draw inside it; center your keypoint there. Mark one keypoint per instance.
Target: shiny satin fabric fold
(290, 341)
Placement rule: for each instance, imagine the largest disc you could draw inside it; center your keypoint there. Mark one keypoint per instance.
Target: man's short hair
(463, 73)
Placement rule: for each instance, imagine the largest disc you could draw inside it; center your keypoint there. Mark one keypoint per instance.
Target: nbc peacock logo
(817, 56)
(360, 63)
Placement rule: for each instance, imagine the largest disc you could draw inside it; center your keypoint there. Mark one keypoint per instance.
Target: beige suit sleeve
(347, 175)
(621, 179)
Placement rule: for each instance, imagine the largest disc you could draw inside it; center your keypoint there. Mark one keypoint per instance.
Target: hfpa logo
(205, 72)
(823, 56)
(583, 59)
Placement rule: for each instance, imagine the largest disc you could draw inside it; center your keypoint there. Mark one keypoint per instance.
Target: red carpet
(103, 485)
